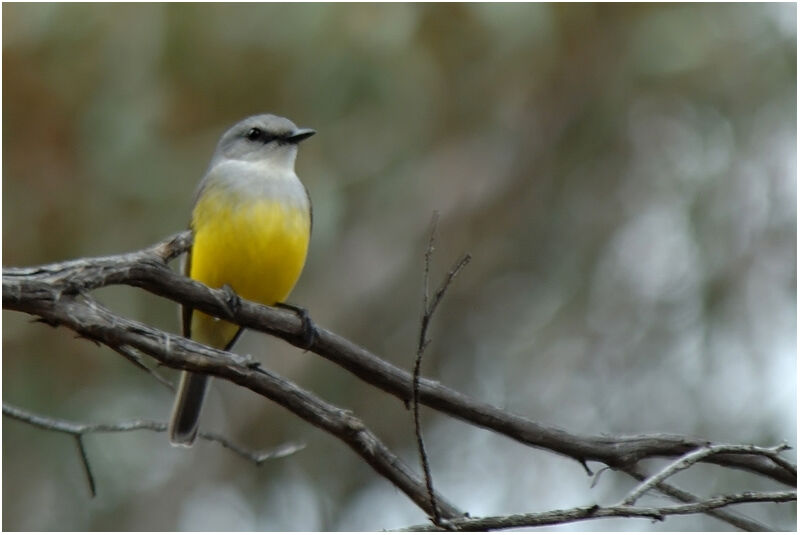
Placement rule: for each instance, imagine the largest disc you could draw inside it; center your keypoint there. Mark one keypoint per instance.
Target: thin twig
(428, 256)
(135, 358)
(735, 519)
(79, 429)
(454, 271)
(422, 343)
(564, 516)
(428, 309)
(256, 456)
(690, 459)
(85, 462)
(596, 476)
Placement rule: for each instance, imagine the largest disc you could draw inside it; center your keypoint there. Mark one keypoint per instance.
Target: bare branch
(592, 512)
(87, 468)
(734, 519)
(79, 429)
(38, 289)
(56, 295)
(421, 345)
(134, 358)
(454, 271)
(256, 456)
(692, 458)
(428, 309)
(90, 319)
(428, 256)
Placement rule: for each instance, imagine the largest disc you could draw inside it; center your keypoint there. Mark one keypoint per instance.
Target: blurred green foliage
(623, 175)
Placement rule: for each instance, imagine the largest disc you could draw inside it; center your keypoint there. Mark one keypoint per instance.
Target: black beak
(300, 134)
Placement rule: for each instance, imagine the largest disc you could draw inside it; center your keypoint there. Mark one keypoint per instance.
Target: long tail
(185, 418)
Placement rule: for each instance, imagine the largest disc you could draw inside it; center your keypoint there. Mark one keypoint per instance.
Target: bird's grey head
(258, 138)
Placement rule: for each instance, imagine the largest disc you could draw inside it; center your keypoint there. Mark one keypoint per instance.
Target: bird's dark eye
(254, 134)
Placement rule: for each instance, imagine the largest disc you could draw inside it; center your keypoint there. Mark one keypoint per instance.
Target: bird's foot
(309, 329)
(230, 300)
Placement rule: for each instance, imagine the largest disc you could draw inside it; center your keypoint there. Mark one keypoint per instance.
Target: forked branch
(79, 430)
(57, 294)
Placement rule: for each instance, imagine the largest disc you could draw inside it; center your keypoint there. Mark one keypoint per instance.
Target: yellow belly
(257, 247)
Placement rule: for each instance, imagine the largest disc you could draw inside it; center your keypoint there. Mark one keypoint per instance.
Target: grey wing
(310, 211)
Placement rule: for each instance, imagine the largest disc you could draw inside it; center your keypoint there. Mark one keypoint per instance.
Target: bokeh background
(623, 175)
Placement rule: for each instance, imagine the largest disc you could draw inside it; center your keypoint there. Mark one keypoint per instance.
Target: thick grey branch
(57, 294)
(91, 320)
(29, 289)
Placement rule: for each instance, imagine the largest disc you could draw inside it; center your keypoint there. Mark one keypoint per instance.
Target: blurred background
(623, 176)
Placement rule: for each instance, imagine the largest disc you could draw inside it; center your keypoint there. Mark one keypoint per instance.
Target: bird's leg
(309, 329)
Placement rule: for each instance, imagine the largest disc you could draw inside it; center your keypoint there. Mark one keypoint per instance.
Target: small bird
(252, 223)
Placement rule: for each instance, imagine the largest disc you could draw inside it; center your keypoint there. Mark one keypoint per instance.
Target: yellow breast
(256, 246)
